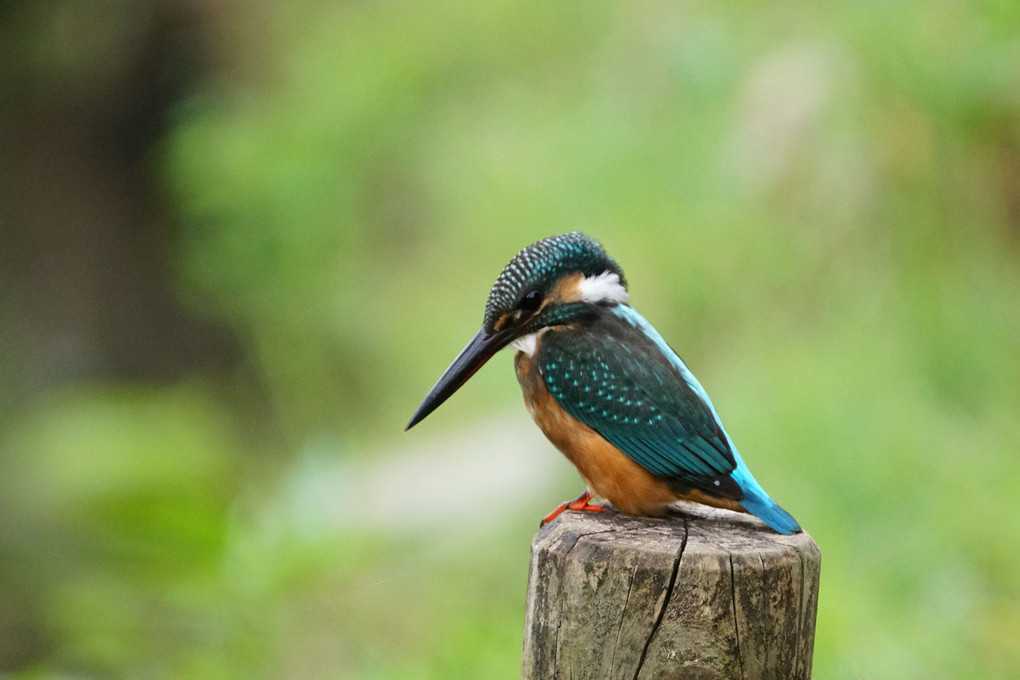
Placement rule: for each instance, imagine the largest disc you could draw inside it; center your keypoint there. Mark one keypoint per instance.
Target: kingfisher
(605, 388)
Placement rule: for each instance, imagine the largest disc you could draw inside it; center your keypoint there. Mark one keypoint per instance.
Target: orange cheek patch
(567, 289)
(501, 323)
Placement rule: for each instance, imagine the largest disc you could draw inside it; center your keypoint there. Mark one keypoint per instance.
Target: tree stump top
(701, 593)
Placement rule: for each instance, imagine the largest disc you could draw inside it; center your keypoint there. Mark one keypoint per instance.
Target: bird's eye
(531, 302)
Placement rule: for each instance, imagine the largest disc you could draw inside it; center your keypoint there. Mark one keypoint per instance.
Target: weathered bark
(700, 594)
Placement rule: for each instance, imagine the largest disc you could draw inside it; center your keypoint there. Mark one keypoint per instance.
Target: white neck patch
(528, 343)
(605, 287)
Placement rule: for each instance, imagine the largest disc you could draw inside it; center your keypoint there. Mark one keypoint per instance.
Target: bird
(606, 389)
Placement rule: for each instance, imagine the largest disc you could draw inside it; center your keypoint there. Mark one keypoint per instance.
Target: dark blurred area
(89, 230)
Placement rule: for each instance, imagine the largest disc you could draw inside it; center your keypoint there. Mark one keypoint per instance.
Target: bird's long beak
(471, 358)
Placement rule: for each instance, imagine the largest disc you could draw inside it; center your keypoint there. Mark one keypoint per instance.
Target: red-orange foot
(579, 503)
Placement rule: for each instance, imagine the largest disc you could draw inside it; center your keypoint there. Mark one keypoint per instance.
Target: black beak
(471, 358)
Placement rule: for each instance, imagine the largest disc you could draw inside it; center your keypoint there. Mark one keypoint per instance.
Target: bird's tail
(759, 504)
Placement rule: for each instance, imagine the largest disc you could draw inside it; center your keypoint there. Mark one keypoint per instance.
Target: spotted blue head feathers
(537, 268)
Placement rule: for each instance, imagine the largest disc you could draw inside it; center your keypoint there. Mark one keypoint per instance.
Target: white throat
(528, 343)
(604, 287)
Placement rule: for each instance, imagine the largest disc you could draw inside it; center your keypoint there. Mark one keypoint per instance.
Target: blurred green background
(239, 241)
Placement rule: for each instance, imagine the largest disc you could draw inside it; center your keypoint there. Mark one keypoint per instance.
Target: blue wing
(615, 378)
(620, 378)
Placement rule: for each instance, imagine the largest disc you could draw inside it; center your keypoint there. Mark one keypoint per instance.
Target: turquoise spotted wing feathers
(611, 377)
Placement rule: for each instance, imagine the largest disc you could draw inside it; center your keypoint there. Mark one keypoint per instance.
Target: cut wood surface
(699, 594)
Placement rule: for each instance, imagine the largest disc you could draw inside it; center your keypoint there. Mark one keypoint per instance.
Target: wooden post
(700, 594)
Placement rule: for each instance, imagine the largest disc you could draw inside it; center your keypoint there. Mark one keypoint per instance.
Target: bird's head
(557, 281)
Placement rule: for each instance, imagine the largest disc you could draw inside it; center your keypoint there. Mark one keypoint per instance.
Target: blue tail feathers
(758, 503)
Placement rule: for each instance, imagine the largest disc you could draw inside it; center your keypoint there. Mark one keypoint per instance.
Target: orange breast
(607, 470)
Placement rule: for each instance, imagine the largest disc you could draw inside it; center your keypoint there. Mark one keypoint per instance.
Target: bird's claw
(580, 503)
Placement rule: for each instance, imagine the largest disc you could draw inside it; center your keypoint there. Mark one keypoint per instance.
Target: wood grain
(699, 594)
